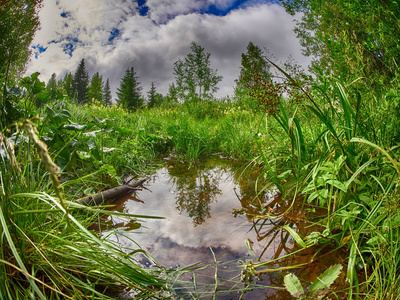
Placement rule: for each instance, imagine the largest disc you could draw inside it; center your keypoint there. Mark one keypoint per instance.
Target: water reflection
(211, 209)
(196, 190)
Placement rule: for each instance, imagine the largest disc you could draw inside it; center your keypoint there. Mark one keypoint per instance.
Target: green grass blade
(16, 254)
(364, 141)
(296, 236)
(271, 172)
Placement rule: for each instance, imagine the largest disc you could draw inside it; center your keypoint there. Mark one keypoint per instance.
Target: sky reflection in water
(198, 204)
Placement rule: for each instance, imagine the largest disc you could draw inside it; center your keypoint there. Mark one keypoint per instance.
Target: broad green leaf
(92, 133)
(109, 169)
(338, 185)
(312, 197)
(106, 149)
(74, 126)
(293, 285)
(326, 279)
(83, 154)
(376, 240)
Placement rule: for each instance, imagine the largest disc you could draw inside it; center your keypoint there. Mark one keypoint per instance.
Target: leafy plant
(318, 289)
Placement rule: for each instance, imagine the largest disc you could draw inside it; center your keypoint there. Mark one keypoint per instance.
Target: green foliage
(129, 92)
(33, 87)
(172, 95)
(18, 23)
(68, 85)
(154, 98)
(107, 93)
(254, 68)
(81, 83)
(95, 91)
(350, 38)
(46, 250)
(51, 86)
(317, 289)
(194, 76)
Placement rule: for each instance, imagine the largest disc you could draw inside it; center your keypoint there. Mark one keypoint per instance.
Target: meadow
(331, 146)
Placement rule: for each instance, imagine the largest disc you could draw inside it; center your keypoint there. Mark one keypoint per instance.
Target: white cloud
(152, 47)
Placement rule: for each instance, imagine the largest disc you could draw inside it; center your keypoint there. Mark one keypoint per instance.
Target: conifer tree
(107, 93)
(151, 96)
(96, 87)
(81, 83)
(129, 92)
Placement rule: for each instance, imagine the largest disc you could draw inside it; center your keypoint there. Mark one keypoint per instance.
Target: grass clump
(339, 156)
(47, 250)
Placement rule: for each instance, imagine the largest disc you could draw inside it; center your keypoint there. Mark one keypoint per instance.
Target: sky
(150, 35)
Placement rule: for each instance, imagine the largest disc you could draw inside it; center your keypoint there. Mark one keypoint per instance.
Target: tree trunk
(112, 193)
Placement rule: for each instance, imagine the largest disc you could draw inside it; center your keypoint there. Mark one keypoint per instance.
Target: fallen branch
(112, 193)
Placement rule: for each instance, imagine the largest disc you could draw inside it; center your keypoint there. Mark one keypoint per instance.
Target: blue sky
(150, 35)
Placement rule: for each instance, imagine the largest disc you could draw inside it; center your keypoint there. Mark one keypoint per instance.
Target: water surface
(203, 206)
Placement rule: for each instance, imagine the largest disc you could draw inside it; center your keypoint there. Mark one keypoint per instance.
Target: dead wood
(112, 193)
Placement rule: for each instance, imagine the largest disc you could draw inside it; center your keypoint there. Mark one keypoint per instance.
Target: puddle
(203, 224)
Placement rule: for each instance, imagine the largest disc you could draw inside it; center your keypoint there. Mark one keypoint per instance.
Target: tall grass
(340, 159)
(46, 248)
(188, 130)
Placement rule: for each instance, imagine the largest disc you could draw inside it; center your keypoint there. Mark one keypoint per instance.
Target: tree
(154, 98)
(96, 87)
(81, 83)
(350, 38)
(129, 92)
(253, 67)
(51, 86)
(18, 23)
(173, 94)
(194, 76)
(107, 93)
(68, 85)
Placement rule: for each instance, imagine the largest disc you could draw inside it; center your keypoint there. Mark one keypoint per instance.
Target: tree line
(350, 39)
(195, 80)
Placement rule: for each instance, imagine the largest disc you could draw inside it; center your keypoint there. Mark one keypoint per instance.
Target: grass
(47, 251)
(330, 149)
(340, 160)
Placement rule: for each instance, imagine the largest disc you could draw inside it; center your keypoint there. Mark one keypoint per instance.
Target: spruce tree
(81, 83)
(95, 91)
(128, 93)
(151, 96)
(107, 93)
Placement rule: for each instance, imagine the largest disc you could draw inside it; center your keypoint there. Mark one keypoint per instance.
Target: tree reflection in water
(196, 189)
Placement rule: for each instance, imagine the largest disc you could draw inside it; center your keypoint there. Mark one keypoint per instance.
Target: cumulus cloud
(115, 35)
